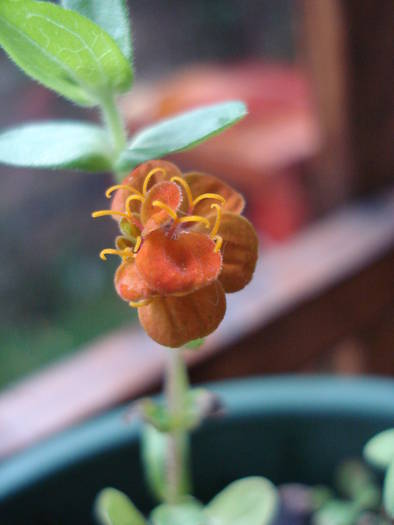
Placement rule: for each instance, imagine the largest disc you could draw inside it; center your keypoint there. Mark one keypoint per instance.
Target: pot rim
(282, 395)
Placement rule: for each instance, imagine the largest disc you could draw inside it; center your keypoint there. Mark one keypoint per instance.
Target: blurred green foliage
(75, 303)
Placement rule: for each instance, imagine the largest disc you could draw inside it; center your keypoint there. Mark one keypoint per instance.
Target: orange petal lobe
(178, 263)
(239, 251)
(174, 321)
(200, 183)
(129, 284)
(152, 216)
(136, 179)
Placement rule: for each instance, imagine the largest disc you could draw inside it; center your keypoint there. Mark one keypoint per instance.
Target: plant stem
(114, 123)
(176, 388)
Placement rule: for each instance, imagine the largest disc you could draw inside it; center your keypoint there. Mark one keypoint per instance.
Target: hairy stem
(176, 388)
(114, 123)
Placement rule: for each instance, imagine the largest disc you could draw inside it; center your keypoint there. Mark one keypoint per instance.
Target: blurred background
(314, 159)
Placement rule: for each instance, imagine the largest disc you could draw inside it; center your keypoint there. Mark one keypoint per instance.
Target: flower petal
(129, 284)
(239, 250)
(200, 183)
(179, 262)
(174, 321)
(136, 179)
(153, 217)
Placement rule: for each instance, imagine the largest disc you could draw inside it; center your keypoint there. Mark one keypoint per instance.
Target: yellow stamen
(137, 244)
(209, 196)
(102, 213)
(167, 208)
(195, 218)
(121, 187)
(130, 199)
(149, 176)
(124, 254)
(216, 226)
(218, 243)
(138, 304)
(186, 187)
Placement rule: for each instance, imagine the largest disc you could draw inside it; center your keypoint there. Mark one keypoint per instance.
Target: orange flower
(183, 244)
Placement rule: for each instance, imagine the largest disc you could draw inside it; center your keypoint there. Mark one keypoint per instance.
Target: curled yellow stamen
(137, 244)
(186, 187)
(167, 208)
(149, 176)
(132, 198)
(218, 243)
(102, 213)
(195, 218)
(216, 226)
(138, 304)
(209, 196)
(124, 254)
(120, 187)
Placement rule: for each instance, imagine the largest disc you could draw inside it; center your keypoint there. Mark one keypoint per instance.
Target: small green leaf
(337, 512)
(154, 457)
(63, 50)
(56, 145)
(196, 343)
(357, 483)
(112, 507)
(248, 501)
(111, 15)
(388, 491)
(188, 512)
(379, 450)
(180, 133)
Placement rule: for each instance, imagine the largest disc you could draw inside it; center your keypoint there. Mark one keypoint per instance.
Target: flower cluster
(183, 244)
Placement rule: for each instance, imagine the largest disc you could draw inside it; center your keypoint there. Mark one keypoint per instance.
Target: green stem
(114, 123)
(176, 388)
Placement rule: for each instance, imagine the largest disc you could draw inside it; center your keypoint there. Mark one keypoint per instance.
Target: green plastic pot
(284, 428)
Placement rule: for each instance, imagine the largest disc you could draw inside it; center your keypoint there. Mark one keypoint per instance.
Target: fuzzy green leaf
(111, 15)
(248, 501)
(112, 507)
(388, 491)
(379, 450)
(74, 145)
(63, 50)
(188, 512)
(180, 133)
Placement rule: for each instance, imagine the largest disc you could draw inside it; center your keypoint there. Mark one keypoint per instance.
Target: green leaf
(56, 145)
(337, 512)
(153, 454)
(195, 343)
(111, 15)
(357, 483)
(388, 491)
(188, 512)
(198, 405)
(63, 50)
(154, 457)
(379, 450)
(112, 507)
(248, 501)
(180, 133)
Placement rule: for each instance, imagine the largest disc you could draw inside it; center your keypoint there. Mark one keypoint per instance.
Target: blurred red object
(263, 154)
